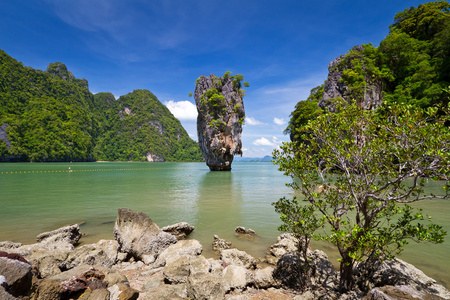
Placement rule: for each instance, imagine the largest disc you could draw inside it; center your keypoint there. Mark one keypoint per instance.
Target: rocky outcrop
(335, 87)
(16, 276)
(179, 230)
(62, 238)
(220, 244)
(139, 236)
(220, 118)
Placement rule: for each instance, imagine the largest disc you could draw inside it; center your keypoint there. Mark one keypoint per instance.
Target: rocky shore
(147, 262)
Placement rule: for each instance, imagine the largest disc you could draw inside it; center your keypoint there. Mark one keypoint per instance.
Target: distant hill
(255, 159)
(52, 116)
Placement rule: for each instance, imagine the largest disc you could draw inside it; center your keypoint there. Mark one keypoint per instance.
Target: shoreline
(163, 263)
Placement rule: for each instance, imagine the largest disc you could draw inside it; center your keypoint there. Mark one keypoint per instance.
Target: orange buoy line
(78, 170)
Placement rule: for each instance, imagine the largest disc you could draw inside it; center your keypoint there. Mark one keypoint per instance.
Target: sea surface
(39, 197)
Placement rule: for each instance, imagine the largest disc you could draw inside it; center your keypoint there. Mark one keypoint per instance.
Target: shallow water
(38, 197)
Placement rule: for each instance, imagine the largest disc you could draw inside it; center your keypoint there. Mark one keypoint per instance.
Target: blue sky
(281, 47)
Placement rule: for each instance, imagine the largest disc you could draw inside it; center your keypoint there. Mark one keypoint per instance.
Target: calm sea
(38, 197)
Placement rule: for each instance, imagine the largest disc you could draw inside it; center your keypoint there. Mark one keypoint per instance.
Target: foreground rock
(220, 118)
(139, 236)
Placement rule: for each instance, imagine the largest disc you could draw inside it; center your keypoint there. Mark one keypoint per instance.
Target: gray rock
(179, 230)
(400, 292)
(220, 244)
(396, 272)
(238, 258)
(103, 253)
(185, 248)
(67, 234)
(242, 230)
(4, 295)
(205, 287)
(219, 122)
(177, 271)
(236, 278)
(138, 235)
(167, 292)
(263, 278)
(122, 291)
(48, 266)
(17, 275)
(8, 246)
(153, 281)
(199, 265)
(285, 243)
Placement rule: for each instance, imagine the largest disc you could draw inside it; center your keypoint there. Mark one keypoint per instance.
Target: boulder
(285, 243)
(396, 272)
(238, 258)
(4, 295)
(139, 236)
(400, 292)
(177, 271)
(263, 278)
(47, 289)
(179, 230)
(17, 276)
(167, 292)
(122, 291)
(220, 244)
(61, 238)
(242, 230)
(186, 248)
(236, 278)
(48, 266)
(103, 253)
(199, 265)
(205, 287)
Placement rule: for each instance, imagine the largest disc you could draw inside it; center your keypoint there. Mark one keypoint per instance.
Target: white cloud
(182, 110)
(263, 142)
(253, 122)
(279, 121)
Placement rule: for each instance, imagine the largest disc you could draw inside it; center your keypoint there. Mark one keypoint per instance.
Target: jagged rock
(263, 278)
(17, 276)
(199, 265)
(8, 246)
(285, 243)
(334, 86)
(400, 292)
(242, 230)
(219, 122)
(236, 278)
(220, 244)
(102, 253)
(396, 272)
(47, 289)
(179, 230)
(155, 280)
(4, 295)
(122, 291)
(184, 248)
(217, 266)
(139, 236)
(238, 258)
(48, 266)
(61, 239)
(177, 271)
(205, 287)
(167, 292)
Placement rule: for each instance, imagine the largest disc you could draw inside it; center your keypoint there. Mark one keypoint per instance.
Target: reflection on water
(38, 197)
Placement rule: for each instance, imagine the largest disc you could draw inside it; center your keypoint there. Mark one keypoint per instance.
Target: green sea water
(38, 197)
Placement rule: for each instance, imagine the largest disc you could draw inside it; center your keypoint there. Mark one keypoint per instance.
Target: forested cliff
(52, 116)
(410, 66)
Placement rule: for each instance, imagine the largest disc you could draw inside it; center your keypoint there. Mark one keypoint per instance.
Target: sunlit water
(38, 197)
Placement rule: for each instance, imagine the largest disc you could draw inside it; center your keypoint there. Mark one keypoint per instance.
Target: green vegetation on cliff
(410, 66)
(52, 116)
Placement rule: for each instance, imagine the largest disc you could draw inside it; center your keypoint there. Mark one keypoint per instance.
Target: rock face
(220, 118)
(335, 87)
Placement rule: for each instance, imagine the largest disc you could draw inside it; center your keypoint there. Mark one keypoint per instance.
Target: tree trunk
(346, 282)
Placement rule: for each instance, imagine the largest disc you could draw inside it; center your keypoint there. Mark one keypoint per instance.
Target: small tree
(359, 169)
